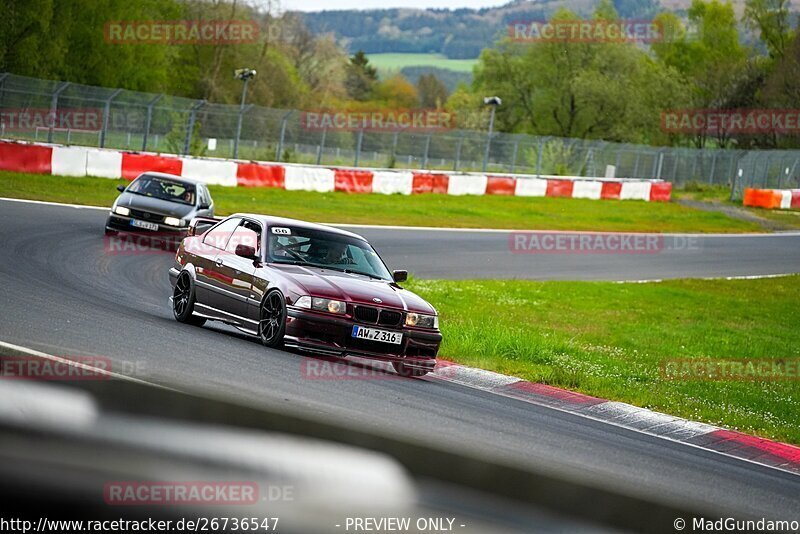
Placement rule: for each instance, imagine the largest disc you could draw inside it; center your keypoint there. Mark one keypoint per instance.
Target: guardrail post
(190, 126)
(242, 110)
(791, 172)
(733, 184)
(539, 151)
(713, 168)
(279, 150)
(675, 167)
(589, 162)
(514, 156)
(427, 150)
(149, 120)
(766, 171)
(731, 160)
(106, 113)
(358, 146)
(660, 165)
(457, 160)
(321, 146)
(3, 77)
(488, 140)
(54, 109)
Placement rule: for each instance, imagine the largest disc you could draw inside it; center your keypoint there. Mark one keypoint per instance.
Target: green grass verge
(704, 193)
(415, 210)
(390, 62)
(608, 340)
(788, 218)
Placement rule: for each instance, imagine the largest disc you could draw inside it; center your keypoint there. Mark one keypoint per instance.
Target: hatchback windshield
(163, 188)
(325, 249)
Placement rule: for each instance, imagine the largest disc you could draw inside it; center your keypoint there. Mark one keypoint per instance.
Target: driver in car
(332, 253)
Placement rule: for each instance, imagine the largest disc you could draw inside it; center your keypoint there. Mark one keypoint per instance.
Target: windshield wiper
(375, 276)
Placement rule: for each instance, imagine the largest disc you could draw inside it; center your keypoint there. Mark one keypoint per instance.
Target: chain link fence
(68, 113)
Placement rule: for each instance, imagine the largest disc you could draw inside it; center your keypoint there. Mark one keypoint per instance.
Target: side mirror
(204, 206)
(400, 276)
(246, 251)
(121, 188)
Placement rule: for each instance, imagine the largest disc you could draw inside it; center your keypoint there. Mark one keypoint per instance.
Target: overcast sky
(319, 5)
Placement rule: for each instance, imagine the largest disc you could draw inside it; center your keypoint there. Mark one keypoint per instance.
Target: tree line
(618, 91)
(615, 91)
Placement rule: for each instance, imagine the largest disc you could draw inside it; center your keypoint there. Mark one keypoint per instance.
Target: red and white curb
(42, 158)
(729, 442)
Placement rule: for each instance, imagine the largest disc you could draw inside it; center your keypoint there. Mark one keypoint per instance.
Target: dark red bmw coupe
(304, 286)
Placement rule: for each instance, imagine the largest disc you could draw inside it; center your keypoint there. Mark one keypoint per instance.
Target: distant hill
(457, 34)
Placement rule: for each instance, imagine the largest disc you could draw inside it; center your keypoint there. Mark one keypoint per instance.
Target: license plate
(374, 334)
(144, 224)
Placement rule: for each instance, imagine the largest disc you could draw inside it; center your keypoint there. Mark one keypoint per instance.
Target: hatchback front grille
(147, 216)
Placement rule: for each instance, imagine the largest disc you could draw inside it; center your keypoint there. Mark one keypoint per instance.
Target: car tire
(409, 372)
(111, 233)
(183, 300)
(272, 319)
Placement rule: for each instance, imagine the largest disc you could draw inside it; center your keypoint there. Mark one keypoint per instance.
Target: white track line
(509, 230)
(79, 365)
(44, 203)
(445, 229)
(739, 277)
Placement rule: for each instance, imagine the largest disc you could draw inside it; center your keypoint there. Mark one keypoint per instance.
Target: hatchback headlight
(172, 221)
(121, 210)
(423, 321)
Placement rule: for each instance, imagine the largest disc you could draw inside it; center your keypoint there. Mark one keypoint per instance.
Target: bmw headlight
(422, 321)
(172, 221)
(121, 210)
(328, 305)
(320, 304)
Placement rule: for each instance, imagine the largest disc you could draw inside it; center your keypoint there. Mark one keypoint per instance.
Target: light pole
(493, 101)
(245, 75)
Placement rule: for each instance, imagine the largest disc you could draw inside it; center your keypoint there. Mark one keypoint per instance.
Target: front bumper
(120, 223)
(323, 334)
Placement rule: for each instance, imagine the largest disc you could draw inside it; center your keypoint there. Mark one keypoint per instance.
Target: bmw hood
(356, 288)
(154, 205)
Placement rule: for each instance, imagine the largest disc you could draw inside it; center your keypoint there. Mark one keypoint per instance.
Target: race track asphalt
(61, 293)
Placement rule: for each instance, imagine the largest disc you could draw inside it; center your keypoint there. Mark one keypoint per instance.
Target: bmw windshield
(302, 246)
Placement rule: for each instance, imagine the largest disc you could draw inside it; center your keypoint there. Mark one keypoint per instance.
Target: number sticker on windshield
(281, 231)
